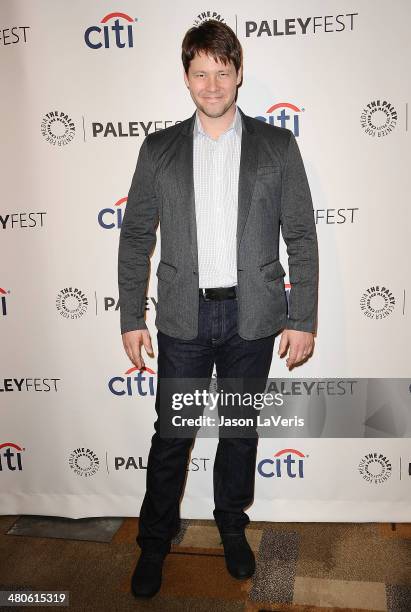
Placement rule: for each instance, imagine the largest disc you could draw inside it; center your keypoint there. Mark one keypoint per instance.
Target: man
(220, 183)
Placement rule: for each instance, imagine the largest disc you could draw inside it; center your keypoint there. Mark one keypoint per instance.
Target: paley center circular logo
(58, 128)
(377, 302)
(71, 303)
(375, 468)
(206, 15)
(379, 118)
(84, 462)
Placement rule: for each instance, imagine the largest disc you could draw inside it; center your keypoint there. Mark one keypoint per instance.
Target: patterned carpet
(301, 567)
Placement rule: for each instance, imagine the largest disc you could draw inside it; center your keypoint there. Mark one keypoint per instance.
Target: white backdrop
(78, 95)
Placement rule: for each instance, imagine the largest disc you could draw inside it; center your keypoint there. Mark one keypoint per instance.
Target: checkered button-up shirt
(216, 169)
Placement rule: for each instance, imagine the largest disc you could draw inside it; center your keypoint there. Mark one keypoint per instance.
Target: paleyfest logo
(196, 464)
(22, 220)
(377, 302)
(288, 462)
(283, 114)
(58, 128)
(375, 468)
(300, 25)
(116, 30)
(110, 218)
(379, 118)
(134, 382)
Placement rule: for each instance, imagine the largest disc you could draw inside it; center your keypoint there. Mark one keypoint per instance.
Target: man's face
(212, 84)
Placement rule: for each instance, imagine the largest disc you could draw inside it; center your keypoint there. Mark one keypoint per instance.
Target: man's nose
(212, 83)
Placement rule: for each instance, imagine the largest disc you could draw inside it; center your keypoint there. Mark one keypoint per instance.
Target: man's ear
(185, 78)
(240, 75)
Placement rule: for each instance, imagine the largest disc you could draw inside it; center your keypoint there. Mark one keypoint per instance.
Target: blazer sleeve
(299, 233)
(137, 240)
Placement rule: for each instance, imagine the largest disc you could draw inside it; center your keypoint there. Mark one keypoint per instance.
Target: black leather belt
(218, 293)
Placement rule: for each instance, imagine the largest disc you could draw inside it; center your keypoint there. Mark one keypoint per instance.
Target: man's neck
(215, 126)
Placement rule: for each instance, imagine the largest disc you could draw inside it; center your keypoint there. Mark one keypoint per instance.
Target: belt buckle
(203, 293)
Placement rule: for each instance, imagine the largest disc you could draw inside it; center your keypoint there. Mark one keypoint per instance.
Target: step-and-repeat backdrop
(82, 84)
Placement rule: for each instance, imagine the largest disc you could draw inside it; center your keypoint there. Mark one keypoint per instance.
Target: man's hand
(301, 346)
(132, 342)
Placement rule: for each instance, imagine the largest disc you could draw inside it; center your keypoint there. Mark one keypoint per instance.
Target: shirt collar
(235, 125)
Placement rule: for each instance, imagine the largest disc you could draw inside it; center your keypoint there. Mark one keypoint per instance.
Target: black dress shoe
(146, 579)
(239, 557)
(177, 529)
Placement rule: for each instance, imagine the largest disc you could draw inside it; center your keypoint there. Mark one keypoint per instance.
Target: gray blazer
(273, 191)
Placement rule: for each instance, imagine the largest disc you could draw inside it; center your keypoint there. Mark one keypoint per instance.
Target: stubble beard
(216, 114)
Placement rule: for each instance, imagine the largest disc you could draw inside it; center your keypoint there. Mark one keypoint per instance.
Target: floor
(301, 567)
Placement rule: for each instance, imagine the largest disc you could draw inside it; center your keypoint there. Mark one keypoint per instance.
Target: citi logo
(10, 457)
(115, 33)
(285, 115)
(134, 382)
(287, 462)
(3, 301)
(110, 218)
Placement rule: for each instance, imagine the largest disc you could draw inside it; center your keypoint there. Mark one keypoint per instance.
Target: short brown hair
(214, 38)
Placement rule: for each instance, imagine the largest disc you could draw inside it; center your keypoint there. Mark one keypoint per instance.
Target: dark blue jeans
(234, 466)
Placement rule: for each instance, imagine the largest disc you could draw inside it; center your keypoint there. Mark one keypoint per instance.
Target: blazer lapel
(247, 175)
(184, 176)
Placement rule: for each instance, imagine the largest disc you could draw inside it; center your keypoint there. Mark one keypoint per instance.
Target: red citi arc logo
(109, 218)
(3, 302)
(10, 457)
(114, 34)
(287, 462)
(285, 115)
(134, 382)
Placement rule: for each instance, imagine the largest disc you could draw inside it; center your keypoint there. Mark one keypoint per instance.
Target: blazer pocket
(166, 271)
(272, 270)
(268, 170)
